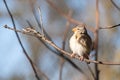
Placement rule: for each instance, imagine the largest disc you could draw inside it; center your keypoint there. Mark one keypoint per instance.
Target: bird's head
(80, 29)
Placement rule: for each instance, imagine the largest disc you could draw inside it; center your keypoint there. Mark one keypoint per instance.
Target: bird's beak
(74, 29)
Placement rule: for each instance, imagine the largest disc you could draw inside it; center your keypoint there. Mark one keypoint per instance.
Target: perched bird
(80, 43)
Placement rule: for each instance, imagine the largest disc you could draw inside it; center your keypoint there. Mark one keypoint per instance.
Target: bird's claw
(81, 58)
(73, 55)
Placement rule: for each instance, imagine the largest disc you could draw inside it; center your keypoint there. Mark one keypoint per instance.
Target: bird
(80, 43)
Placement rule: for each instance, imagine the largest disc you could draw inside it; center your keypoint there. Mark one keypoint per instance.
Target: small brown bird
(80, 43)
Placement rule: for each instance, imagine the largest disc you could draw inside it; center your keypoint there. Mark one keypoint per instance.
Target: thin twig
(110, 27)
(76, 22)
(118, 8)
(32, 32)
(41, 22)
(96, 33)
(62, 61)
(62, 13)
(63, 44)
(31, 63)
(38, 70)
(66, 30)
(89, 68)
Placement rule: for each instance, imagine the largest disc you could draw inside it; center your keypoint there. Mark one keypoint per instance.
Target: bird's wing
(85, 41)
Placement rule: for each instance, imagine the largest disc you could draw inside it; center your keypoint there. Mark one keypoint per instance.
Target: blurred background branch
(36, 70)
(96, 34)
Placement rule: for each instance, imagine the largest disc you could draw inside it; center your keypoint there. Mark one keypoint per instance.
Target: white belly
(76, 47)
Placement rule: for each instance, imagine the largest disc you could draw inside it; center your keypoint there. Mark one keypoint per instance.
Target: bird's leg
(81, 58)
(73, 55)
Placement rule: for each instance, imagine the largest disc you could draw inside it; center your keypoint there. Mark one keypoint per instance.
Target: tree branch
(110, 27)
(66, 16)
(96, 34)
(115, 5)
(27, 56)
(63, 44)
(33, 32)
